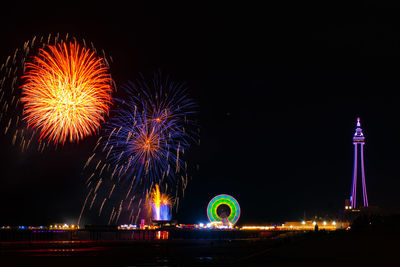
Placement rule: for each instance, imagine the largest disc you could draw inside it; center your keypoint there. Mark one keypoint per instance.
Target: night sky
(279, 89)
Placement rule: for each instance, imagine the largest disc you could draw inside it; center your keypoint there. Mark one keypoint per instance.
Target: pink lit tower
(358, 141)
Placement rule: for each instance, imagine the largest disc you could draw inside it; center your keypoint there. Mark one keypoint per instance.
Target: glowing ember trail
(160, 205)
(66, 92)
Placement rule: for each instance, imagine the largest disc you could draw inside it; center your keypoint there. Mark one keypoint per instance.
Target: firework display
(66, 92)
(219, 200)
(54, 90)
(148, 135)
(143, 146)
(160, 205)
(58, 90)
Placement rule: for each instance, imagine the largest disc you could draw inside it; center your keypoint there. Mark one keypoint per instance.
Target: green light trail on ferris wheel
(219, 200)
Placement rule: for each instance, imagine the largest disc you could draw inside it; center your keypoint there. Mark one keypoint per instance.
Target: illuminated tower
(358, 141)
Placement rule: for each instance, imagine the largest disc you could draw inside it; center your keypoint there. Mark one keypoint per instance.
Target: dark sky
(279, 90)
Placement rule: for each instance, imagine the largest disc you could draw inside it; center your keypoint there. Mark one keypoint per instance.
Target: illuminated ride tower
(358, 141)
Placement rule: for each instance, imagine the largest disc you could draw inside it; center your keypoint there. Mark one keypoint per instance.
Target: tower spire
(358, 135)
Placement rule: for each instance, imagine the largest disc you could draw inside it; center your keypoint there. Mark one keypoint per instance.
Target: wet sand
(305, 249)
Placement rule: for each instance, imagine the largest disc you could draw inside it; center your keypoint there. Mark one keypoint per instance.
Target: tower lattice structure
(358, 141)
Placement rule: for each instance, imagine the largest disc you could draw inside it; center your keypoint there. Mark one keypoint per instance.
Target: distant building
(310, 225)
(347, 204)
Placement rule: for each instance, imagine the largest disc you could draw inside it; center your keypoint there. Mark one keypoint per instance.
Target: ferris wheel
(223, 207)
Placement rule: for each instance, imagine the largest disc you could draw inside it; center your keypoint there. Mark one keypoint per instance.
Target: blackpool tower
(358, 142)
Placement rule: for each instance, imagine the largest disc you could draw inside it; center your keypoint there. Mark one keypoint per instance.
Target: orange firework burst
(66, 92)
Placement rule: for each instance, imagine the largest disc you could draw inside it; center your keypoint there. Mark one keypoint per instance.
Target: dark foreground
(361, 248)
